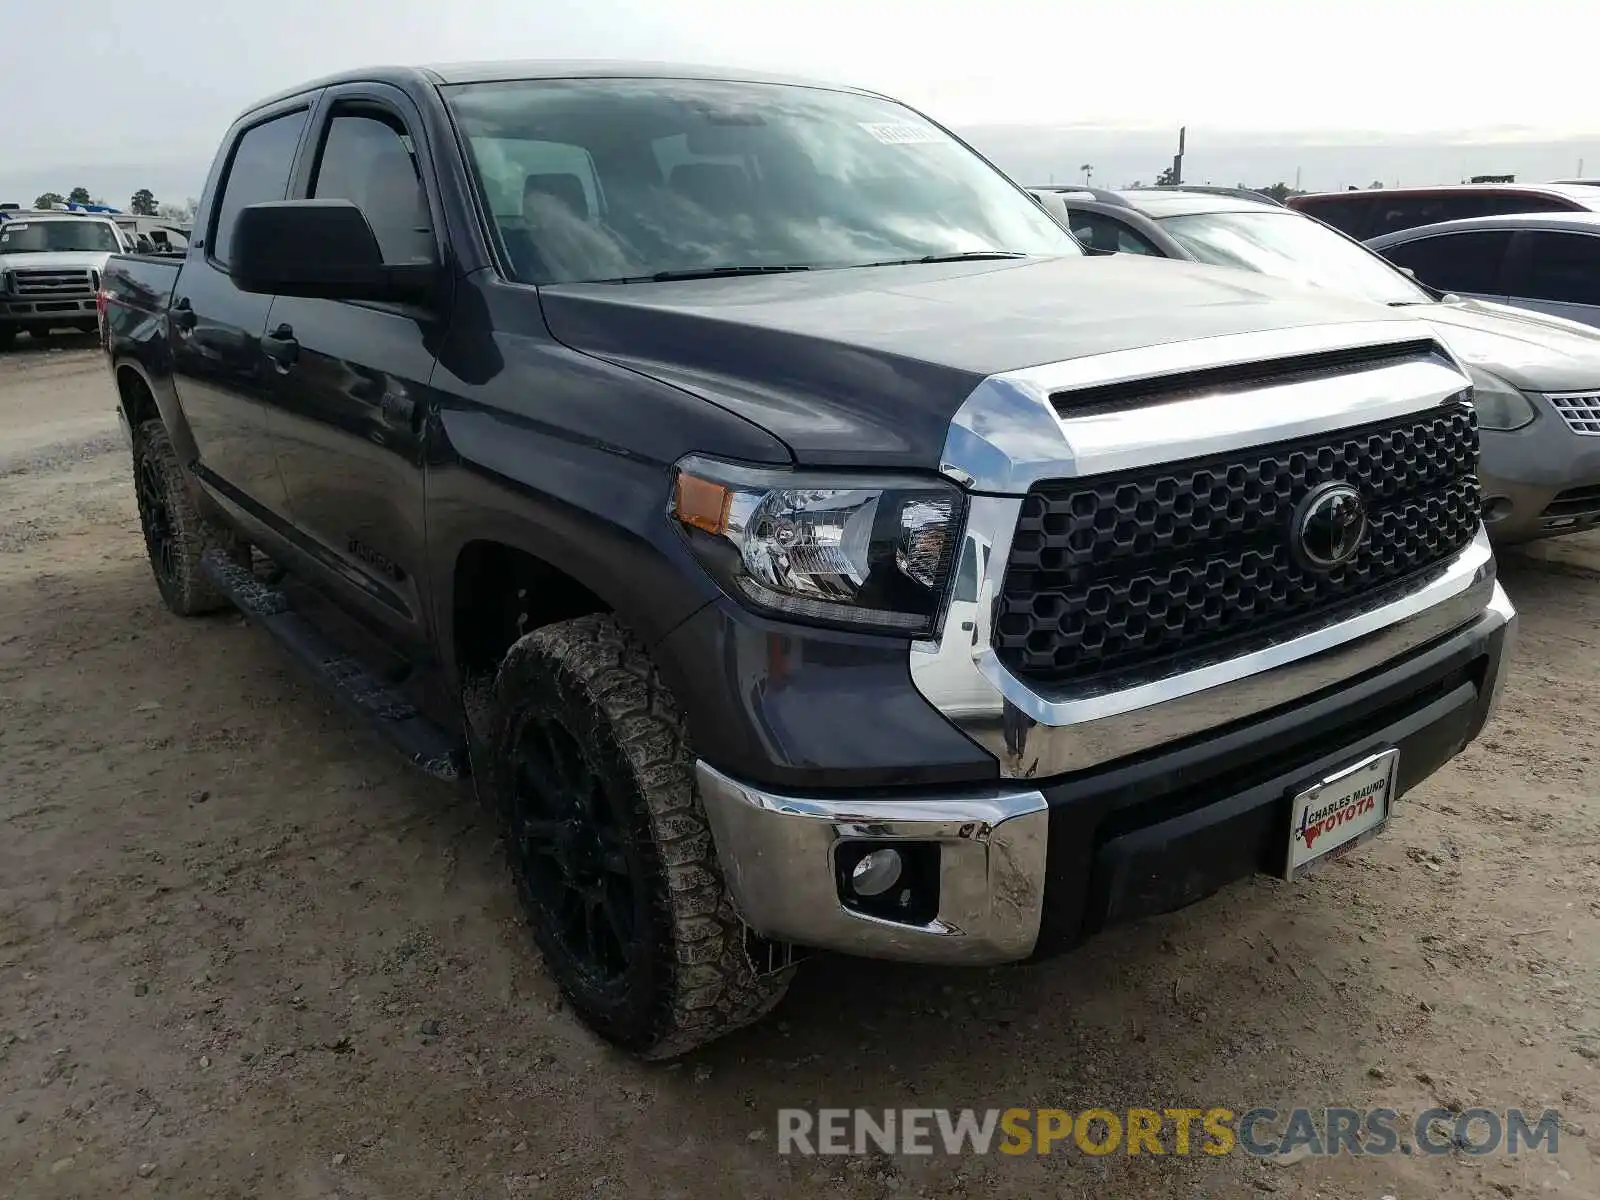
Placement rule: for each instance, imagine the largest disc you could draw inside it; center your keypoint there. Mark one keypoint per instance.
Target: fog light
(876, 873)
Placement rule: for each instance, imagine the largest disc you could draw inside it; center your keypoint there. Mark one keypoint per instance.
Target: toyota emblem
(1329, 526)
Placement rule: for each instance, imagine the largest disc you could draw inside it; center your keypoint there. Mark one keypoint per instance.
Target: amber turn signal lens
(701, 504)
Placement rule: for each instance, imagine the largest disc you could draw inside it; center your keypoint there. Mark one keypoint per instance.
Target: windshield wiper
(958, 256)
(1410, 303)
(703, 273)
(968, 255)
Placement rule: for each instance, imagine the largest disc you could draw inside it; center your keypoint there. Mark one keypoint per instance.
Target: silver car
(1537, 377)
(1549, 262)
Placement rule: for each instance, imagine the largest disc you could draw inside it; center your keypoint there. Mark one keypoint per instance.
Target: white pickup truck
(50, 268)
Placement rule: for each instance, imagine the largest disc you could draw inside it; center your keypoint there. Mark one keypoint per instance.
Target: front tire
(613, 857)
(176, 535)
(8, 336)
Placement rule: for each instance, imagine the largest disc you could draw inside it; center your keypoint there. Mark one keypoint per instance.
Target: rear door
(1557, 272)
(220, 375)
(1469, 263)
(350, 393)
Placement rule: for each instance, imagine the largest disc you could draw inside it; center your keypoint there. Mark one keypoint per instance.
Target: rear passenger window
(1456, 262)
(368, 159)
(1563, 267)
(258, 172)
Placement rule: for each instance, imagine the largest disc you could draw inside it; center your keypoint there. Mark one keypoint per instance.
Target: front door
(350, 398)
(220, 375)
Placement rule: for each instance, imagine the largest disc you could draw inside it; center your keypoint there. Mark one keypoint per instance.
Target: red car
(1366, 214)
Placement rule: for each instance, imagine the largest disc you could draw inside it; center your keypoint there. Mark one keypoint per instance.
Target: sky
(1411, 90)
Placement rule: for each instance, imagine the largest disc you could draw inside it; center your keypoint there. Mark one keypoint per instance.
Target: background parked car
(50, 266)
(1376, 211)
(1549, 262)
(1536, 377)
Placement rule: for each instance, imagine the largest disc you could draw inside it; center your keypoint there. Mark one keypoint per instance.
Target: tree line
(143, 203)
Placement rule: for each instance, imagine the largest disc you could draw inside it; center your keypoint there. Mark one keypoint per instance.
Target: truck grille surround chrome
(1127, 570)
(36, 284)
(1135, 567)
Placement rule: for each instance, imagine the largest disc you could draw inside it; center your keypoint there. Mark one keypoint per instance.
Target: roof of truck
(490, 72)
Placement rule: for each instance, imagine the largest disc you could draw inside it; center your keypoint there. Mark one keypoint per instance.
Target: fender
(568, 459)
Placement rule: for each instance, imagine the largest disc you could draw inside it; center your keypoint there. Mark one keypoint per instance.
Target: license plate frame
(1372, 778)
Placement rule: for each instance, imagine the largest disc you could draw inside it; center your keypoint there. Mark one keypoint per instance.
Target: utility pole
(1297, 179)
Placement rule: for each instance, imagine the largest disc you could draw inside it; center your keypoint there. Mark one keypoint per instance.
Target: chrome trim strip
(777, 854)
(1006, 435)
(1037, 736)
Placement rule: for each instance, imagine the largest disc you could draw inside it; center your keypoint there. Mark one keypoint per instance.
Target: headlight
(1499, 405)
(867, 553)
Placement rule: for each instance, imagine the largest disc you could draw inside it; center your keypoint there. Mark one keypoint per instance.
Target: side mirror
(1407, 271)
(319, 248)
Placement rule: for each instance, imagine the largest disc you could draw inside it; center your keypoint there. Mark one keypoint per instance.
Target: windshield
(38, 237)
(1289, 246)
(591, 180)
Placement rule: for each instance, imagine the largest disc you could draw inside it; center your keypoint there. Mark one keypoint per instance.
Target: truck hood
(1529, 350)
(866, 366)
(56, 260)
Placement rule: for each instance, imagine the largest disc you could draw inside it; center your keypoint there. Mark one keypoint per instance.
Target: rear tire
(613, 858)
(176, 535)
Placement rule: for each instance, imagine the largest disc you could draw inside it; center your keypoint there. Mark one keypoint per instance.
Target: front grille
(1116, 572)
(48, 285)
(1580, 410)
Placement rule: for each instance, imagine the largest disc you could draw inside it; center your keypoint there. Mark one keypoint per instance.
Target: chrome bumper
(777, 854)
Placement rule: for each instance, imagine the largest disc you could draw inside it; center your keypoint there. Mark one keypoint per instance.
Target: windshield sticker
(892, 133)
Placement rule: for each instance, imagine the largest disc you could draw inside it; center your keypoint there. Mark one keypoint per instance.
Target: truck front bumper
(1028, 868)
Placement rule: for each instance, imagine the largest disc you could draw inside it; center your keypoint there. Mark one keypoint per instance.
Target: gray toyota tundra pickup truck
(796, 538)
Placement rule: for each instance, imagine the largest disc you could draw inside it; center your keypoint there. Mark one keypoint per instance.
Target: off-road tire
(168, 517)
(689, 978)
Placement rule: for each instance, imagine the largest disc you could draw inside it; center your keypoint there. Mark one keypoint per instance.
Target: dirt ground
(244, 953)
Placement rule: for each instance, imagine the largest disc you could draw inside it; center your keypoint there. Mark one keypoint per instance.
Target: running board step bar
(395, 719)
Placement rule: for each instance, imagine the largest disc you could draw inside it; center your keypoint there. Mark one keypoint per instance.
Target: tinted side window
(1099, 232)
(258, 172)
(1564, 267)
(369, 160)
(1407, 212)
(1456, 262)
(1520, 203)
(1348, 216)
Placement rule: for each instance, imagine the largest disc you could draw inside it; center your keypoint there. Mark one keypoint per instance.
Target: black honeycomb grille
(1117, 572)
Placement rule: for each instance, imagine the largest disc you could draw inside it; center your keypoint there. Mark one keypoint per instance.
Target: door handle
(399, 410)
(280, 346)
(183, 315)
